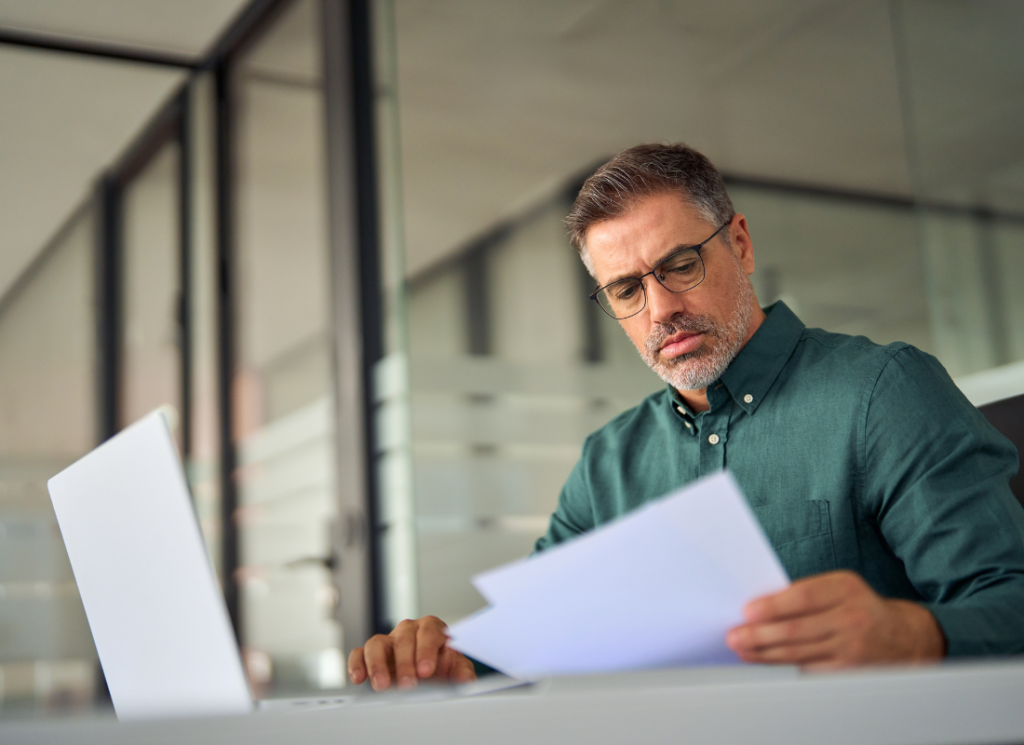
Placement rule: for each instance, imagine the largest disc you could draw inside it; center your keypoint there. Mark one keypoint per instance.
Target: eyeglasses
(679, 272)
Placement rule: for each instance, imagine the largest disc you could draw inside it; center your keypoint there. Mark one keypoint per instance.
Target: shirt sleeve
(574, 514)
(937, 480)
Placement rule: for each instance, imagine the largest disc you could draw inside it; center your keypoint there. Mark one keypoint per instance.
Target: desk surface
(950, 703)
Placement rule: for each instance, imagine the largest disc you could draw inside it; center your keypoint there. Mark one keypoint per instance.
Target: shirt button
(748, 399)
(681, 410)
(688, 425)
(713, 439)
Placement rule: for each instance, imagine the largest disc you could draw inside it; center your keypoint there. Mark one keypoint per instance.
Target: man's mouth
(679, 344)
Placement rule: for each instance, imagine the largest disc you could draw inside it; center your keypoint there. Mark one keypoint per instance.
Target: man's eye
(683, 264)
(685, 267)
(625, 292)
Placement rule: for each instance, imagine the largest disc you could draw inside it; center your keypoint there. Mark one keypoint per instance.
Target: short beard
(722, 342)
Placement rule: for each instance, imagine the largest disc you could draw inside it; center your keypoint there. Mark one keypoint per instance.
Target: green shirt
(852, 456)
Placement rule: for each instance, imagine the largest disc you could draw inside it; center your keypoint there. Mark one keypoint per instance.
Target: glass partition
(867, 278)
(959, 71)
(151, 289)
(48, 419)
(284, 412)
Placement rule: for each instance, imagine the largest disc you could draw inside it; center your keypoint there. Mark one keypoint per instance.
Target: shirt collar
(762, 358)
(758, 364)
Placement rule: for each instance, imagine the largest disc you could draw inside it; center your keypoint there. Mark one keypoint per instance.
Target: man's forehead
(648, 228)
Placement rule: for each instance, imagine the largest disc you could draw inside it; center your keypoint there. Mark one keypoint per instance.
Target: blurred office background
(329, 233)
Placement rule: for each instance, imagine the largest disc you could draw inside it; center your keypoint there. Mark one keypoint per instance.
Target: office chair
(1008, 417)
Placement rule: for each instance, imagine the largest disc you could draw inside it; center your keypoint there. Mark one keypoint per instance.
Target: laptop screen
(157, 616)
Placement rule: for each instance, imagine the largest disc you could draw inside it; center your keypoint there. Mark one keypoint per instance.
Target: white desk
(952, 703)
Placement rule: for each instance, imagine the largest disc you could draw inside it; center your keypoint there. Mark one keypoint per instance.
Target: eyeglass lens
(678, 273)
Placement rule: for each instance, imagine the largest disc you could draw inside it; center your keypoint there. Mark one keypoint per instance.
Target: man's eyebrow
(670, 252)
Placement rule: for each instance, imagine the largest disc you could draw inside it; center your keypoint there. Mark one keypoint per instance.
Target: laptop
(158, 619)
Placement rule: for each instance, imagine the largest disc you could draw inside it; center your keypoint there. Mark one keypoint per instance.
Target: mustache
(687, 324)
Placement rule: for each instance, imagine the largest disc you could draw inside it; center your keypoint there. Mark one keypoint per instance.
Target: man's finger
(453, 665)
(356, 666)
(805, 596)
(464, 671)
(430, 640)
(404, 645)
(377, 654)
(818, 652)
(798, 630)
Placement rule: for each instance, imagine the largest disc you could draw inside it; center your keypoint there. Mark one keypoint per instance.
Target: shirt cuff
(976, 632)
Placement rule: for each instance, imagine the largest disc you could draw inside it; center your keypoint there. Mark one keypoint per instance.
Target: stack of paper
(659, 587)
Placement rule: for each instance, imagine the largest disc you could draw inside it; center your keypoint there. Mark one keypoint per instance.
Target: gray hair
(643, 171)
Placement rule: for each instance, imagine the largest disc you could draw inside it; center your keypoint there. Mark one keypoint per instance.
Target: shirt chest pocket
(801, 534)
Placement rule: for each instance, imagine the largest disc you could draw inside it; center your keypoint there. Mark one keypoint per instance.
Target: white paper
(658, 587)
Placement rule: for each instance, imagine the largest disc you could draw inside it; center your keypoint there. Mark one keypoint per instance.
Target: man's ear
(742, 245)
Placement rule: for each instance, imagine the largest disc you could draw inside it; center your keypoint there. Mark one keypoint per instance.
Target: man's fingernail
(407, 682)
(379, 681)
(425, 668)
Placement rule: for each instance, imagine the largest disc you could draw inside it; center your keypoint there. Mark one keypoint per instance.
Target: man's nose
(662, 304)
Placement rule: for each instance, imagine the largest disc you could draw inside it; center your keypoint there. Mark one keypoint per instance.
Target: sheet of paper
(659, 587)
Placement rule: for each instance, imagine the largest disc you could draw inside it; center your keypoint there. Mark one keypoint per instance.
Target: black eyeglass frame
(654, 272)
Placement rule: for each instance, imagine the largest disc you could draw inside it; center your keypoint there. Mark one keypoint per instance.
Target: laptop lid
(157, 616)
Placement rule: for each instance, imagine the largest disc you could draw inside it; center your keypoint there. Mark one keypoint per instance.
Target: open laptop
(157, 616)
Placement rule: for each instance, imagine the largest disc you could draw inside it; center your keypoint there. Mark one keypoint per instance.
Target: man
(884, 492)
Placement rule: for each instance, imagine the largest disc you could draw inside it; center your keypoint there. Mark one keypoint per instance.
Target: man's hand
(835, 620)
(414, 650)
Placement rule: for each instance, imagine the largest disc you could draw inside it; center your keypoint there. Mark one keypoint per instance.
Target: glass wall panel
(47, 420)
(868, 278)
(960, 66)
(151, 289)
(284, 425)
(396, 516)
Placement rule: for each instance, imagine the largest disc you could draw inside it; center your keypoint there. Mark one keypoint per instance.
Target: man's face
(687, 338)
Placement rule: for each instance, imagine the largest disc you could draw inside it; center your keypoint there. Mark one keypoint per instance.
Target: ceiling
(184, 26)
(499, 103)
(66, 117)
